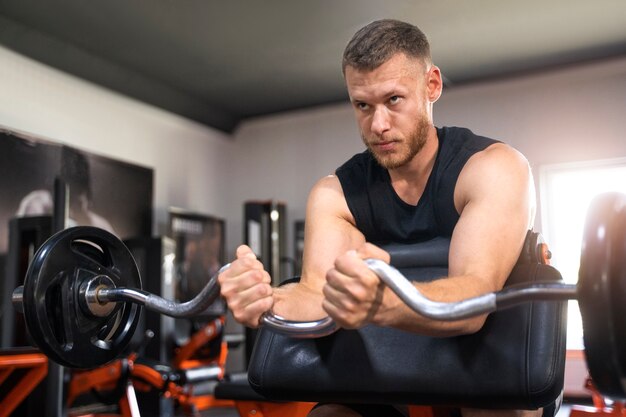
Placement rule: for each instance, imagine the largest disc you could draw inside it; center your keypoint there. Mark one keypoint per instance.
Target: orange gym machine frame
(37, 368)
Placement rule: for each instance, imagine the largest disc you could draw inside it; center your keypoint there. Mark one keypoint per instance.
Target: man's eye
(362, 106)
(394, 99)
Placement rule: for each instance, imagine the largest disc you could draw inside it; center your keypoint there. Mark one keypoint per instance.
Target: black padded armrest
(516, 361)
(433, 253)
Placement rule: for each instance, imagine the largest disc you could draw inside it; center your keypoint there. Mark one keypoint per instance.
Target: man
(414, 182)
(75, 172)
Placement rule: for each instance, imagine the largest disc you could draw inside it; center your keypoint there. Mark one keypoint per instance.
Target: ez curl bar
(82, 295)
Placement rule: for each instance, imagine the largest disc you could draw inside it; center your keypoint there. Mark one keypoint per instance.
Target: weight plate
(63, 329)
(602, 293)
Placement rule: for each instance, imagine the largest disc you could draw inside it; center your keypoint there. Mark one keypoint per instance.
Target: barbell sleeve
(17, 299)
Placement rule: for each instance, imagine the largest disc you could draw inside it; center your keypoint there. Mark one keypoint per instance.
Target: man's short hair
(377, 42)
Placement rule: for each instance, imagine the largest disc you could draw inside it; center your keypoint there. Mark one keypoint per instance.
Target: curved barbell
(100, 297)
(103, 295)
(89, 274)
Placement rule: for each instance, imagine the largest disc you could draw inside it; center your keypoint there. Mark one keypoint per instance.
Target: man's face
(392, 108)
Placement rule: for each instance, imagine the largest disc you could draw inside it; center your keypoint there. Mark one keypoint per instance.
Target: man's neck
(409, 180)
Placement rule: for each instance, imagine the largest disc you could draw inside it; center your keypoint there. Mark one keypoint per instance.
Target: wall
(551, 117)
(50, 104)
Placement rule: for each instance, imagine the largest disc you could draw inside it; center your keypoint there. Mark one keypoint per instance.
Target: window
(566, 192)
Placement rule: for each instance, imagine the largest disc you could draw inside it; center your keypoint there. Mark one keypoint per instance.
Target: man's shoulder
(501, 155)
(498, 164)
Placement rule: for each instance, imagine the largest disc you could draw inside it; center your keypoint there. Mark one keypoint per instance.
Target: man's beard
(414, 143)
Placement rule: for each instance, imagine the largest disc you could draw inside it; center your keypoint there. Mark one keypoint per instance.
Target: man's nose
(380, 121)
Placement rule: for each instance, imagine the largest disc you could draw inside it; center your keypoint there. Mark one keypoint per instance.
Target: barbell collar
(88, 296)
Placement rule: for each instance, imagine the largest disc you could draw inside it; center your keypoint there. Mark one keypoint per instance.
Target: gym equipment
(599, 406)
(119, 382)
(58, 297)
(21, 370)
(602, 294)
(81, 306)
(82, 295)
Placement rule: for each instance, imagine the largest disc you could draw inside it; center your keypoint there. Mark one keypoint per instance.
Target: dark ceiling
(221, 61)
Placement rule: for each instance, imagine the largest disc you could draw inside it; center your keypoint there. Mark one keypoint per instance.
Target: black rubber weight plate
(59, 326)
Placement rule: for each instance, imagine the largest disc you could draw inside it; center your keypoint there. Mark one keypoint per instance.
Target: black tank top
(383, 217)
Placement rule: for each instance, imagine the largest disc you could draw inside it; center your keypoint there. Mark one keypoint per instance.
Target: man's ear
(434, 83)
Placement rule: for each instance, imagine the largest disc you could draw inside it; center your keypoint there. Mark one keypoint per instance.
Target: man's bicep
(329, 231)
(496, 214)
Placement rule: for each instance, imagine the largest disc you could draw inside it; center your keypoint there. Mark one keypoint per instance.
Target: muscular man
(414, 182)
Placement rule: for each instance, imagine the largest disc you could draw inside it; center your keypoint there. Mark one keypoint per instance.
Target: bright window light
(566, 193)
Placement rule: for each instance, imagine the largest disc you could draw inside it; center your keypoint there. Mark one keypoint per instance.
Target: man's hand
(246, 288)
(353, 293)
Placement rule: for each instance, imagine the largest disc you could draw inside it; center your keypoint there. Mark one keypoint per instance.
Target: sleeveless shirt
(383, 217)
